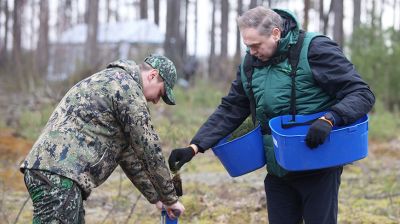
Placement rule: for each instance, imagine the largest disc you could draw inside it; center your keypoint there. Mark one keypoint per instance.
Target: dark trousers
(310, 196)
(55, 199)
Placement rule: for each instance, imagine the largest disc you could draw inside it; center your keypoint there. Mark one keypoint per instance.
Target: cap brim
(169, 97)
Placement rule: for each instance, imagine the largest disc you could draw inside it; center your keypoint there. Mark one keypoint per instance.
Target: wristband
(324, 119)
(194, 148)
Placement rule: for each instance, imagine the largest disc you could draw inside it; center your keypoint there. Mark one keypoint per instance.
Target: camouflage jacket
(103, 121)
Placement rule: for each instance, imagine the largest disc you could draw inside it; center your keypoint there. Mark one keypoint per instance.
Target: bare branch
(20, 210)
(132, 209)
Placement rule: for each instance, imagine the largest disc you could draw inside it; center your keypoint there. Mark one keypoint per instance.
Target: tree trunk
(238, 50)
(143, 9)
(91, 36)
(2, 49)
(86, 15)
(108, 11)
(1, 12)
(16, 50)
(338, 25)
(32, 23)
(43, 42)
(253, 4)
(17, 13)
(157, 12)
(196, 31)
(117, 17)
(326, 17)
(185, 35)
(172, 43)
(6, 24)
(399, 18)
(65, 15)
(381, 13)
(321, 15)
(398, 13)
(306, 10)
(394, 13)
(60, 18)
(356, 14)
(373, 19)
(224, 28)
(211, 61)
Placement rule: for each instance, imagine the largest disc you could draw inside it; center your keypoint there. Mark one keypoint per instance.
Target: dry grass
(370, 193)
(370, 190)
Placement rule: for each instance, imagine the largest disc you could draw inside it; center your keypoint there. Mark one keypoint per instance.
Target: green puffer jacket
(271, 85)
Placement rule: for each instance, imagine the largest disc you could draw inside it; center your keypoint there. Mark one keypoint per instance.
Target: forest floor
(369, 193)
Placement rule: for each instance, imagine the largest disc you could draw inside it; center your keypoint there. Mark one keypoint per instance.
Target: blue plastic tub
(344, 145)
(241, 155)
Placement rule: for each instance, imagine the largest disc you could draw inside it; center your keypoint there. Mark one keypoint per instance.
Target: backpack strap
(248, 68)
(248, 71)
(294, 56)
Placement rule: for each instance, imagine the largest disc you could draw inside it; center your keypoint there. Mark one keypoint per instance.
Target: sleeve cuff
(337, 119)
(200, 149)
(170, 201)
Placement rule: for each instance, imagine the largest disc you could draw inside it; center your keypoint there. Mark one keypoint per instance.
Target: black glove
(318, 132)
(179, 157)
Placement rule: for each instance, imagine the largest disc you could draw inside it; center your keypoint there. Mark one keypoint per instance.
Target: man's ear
(156, 75)
(152, 74)
(276, 33)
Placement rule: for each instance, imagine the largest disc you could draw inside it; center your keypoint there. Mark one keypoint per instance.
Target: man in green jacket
(325, 80)
(102, 122)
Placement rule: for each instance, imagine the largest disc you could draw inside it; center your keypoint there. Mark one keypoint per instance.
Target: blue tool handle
(165, 218)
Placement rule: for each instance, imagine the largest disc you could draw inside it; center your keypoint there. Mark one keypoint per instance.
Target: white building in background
(124, 40)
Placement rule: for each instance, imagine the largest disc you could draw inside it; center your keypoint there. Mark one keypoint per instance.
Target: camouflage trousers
(55, 199)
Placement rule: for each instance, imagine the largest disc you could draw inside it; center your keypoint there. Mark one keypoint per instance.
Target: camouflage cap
(167, 71)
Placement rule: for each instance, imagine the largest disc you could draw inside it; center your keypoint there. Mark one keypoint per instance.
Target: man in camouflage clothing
(103, 121)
